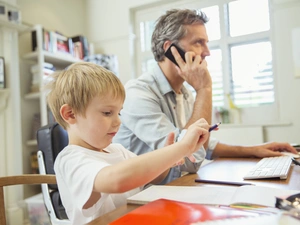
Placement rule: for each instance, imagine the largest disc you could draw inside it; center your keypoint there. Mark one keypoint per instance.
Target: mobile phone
(170, 56)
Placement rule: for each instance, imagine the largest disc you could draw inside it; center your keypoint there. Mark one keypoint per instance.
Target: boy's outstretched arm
(140, 170)
(161, 177)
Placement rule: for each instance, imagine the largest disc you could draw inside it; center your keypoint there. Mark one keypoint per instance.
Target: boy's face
(100, 124)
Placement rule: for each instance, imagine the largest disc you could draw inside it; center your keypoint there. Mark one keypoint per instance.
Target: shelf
(35, 95)
(4, 94)
(32, 143)
(60, 59)
(12, 25)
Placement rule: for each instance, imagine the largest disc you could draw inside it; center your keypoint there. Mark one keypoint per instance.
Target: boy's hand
(197, 134)
(170, 141)
(182, 161)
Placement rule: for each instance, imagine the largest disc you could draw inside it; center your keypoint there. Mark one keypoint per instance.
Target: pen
(214, 126)
(295, 162)
(222, 182)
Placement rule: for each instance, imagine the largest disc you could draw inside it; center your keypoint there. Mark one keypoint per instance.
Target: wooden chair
(21, 180)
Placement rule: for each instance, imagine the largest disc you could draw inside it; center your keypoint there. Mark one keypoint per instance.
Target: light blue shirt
(149, 115)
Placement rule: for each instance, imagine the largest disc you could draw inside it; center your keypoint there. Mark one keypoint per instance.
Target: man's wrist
(203, 90)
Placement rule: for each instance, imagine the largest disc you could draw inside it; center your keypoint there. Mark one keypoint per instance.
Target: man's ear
(67, 114)
(167, 45)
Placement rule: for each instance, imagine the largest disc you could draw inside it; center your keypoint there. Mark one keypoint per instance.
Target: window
(245, 17)
(241, 50)
(253, 86)
(214, 63)
(213, 27)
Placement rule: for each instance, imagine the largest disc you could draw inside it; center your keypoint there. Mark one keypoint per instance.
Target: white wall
(286, 17)
(109, 28)
(108, 24)
(65, 16)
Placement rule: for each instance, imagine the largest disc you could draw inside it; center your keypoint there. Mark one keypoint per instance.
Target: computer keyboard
(270, 167)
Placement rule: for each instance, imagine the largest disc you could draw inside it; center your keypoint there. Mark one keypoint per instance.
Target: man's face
(195, 40)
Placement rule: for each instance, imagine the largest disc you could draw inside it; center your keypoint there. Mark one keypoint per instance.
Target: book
(80, 47)
(274, 219)
(164, 211)
(45, 40)
(213, 195)
(62, 43)
(77, 50)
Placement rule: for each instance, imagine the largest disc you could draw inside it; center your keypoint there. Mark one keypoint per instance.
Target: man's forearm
(202, 108)
(224, 150)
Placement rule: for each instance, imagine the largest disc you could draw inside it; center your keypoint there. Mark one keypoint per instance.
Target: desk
(228, 169)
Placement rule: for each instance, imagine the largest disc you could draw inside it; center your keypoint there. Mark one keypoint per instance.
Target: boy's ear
(67, 114)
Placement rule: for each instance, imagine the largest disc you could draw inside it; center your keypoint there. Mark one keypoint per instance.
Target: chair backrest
(51, 140)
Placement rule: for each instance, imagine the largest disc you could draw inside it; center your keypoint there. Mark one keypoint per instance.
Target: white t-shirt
(76, 168)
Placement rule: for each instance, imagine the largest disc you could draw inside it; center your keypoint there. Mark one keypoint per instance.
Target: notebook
(272, 219)
(214, 195)
(163, 211)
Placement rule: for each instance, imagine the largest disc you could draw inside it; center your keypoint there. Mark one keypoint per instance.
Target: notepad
(272, 219)
(214, 195)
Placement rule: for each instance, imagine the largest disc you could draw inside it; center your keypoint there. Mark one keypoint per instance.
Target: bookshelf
(58, 59)
(11, 25)
(35, 110)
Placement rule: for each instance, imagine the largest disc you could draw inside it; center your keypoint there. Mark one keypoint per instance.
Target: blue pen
(214, 126)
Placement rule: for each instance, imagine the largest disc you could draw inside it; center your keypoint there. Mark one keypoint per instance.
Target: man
(158, 103)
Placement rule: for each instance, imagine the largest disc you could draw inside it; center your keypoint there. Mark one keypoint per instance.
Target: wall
(111, 34)
(286, 17)
(10, 119)
(67, 16)
(108, 24)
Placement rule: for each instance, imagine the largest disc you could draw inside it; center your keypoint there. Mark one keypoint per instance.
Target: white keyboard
(270, 167)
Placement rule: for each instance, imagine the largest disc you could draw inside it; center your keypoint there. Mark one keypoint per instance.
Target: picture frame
(2, 73)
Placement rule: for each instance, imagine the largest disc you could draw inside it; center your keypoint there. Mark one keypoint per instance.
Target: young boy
(94, 176)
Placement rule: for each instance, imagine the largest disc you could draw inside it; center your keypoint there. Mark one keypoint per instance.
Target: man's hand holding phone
(190, 66)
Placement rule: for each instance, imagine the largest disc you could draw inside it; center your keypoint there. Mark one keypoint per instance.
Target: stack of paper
(213, 195)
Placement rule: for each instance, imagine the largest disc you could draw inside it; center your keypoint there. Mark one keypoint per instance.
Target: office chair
(51, 140)
(19, 180)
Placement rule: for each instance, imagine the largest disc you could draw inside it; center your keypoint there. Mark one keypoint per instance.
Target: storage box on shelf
(37, 213)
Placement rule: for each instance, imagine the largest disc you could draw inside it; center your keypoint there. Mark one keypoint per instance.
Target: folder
(164, 211)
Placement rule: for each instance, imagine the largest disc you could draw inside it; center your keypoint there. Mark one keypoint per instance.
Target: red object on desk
(163, 211)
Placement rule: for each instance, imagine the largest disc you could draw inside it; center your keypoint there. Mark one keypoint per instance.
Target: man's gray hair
(171, 26)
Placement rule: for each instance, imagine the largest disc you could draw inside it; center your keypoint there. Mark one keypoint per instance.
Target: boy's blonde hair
(78, 85)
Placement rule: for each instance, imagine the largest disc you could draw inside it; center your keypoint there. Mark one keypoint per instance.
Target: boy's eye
(107, 113)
